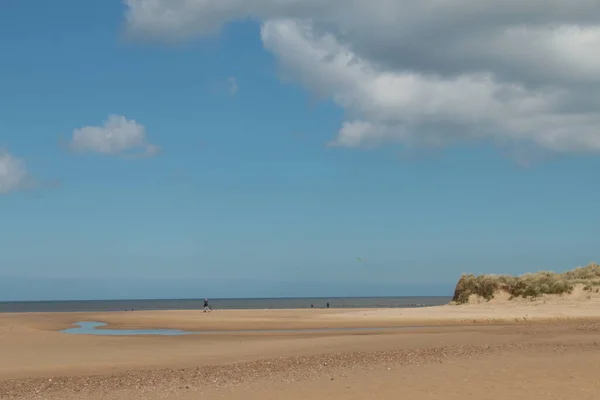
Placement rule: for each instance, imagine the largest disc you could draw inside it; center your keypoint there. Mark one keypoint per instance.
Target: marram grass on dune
(528, 285)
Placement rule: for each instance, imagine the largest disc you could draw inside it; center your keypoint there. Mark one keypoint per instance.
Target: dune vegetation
(529, 285)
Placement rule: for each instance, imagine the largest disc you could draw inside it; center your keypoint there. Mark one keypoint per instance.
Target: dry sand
(548, 348)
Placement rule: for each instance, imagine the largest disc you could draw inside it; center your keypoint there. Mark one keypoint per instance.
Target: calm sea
(196, 304)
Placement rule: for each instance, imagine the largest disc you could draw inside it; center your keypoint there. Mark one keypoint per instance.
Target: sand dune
(580, 304)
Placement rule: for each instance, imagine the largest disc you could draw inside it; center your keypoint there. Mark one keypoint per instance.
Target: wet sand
(542, 349)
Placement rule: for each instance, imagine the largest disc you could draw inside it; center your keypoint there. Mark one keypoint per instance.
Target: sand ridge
(274, 372)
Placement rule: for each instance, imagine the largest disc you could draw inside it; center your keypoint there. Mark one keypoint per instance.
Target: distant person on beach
(206, 306)
(327, 305)
(312, 306)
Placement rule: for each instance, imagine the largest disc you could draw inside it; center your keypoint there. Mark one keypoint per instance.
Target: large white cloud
(417, 108)
(117, 135)
(428, 72)
(13, 173)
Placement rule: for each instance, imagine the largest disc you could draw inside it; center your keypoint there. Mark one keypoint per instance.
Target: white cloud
(431, 72)
(227, 86)
(415, 108)
(232, 85)
(117, 135)
(13, 173)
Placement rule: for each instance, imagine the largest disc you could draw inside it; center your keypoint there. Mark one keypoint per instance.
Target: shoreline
(200, 309)
(514, 312)
(221, 304)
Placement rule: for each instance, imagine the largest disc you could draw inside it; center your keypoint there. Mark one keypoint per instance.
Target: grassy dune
(528, 285)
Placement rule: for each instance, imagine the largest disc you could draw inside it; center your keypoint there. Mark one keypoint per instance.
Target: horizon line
(222, 298)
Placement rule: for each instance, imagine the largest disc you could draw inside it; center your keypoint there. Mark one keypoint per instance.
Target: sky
(259, 148)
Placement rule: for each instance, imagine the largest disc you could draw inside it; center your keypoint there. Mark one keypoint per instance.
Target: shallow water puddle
(90, 328)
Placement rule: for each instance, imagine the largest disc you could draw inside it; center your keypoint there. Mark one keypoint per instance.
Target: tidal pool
(90, 328)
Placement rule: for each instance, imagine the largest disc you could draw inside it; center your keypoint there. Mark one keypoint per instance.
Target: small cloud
(13, 173)
(227, 86)
(117, 136)
(232, 85)
(152, 149)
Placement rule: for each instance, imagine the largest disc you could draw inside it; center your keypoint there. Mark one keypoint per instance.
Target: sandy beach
(546, 348)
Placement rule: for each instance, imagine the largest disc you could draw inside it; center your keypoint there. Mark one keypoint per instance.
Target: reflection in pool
(90, 328)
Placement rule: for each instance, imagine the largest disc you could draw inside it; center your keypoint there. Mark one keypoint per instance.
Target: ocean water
(223, 304)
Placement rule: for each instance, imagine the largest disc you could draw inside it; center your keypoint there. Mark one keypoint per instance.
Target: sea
(223, 304)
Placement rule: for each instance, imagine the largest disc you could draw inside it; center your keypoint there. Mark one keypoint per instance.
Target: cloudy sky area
(424, 73)
(257, 147)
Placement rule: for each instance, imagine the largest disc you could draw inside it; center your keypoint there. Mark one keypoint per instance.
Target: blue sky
(262, 186)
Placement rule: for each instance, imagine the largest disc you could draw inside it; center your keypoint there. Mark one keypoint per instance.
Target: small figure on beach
(327, 305)
(312, 306)
(207, 307)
